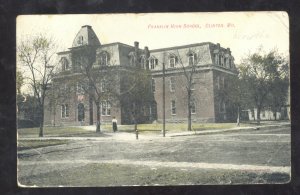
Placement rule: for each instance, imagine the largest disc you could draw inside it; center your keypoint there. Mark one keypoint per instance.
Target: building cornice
(197, 69)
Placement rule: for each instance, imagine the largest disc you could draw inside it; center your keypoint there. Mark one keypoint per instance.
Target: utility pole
(164, 98)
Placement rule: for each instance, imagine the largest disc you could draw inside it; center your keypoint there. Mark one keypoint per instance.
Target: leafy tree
(36, 54)
(261, 73)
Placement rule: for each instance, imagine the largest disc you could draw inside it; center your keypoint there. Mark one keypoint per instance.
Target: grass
(117, 175)
(143, 128)
(29, 144)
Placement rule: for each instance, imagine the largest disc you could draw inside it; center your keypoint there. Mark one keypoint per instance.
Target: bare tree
(189, 71)
(36, 54)
(98, 79)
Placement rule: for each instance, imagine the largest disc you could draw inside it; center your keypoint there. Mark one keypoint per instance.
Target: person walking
(114, 124)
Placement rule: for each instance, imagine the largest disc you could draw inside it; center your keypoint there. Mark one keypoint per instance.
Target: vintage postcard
(153, 99)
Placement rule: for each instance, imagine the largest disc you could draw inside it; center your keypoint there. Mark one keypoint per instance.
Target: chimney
(147, 55)
(136, 53)
(136, 46)
(218, 46)
(228, 49)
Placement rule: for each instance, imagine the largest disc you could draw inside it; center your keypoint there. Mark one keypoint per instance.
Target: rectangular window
(153, 85)
(192, 84)
(193, 107)
(79, 88)
(173, 107)
(63, 115)
(103, 85)
(67, 110)
(64, 110)
(218, 82)
(152, 65)
(172, 84)
(106, 108)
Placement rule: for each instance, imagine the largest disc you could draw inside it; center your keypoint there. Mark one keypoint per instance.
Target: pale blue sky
(242, 32)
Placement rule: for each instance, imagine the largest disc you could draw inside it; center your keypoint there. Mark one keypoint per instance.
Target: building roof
(86, 36)
(180, 47)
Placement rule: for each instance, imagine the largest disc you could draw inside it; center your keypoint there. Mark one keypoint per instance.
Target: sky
(242, 32)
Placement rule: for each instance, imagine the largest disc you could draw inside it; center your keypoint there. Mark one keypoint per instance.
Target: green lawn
(29, 144)
(143, 128)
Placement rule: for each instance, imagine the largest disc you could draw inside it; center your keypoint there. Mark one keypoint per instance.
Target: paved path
(265, 150)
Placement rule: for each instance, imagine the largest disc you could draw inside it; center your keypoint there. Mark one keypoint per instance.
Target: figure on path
(114, 124)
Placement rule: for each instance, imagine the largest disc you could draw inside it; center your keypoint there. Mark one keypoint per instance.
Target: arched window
(103, 58)
(143, 62)
(191, 58)
(64, 63)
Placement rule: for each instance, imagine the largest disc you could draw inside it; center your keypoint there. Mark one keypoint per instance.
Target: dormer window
(80, 40)
(191, 58)
(153, 63)
(143, 62)
(216, 59)
(173, 61)
(65, 64)
(103, 59)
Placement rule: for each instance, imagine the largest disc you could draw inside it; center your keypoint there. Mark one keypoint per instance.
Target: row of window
(80, 89)
(173, 107)
(221, 60)
(173, 61)
(172, 84)
(103, 59)
(105, 109)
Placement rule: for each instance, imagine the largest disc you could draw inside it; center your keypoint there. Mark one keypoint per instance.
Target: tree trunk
(41, 133)
(91, 111)
(54, 116)
(238, 117)
(98, 117)
(189, 112)
(258, 114)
